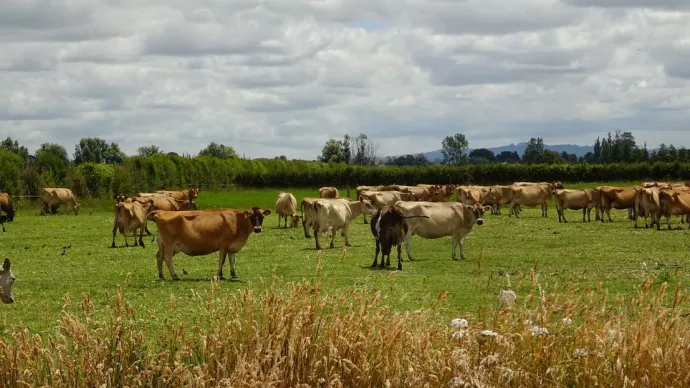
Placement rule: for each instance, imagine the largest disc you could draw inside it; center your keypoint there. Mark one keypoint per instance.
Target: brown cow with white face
(202, 232)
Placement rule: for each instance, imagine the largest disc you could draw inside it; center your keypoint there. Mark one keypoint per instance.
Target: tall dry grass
(298, 335)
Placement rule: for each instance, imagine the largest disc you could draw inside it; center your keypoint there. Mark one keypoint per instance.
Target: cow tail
(415, 217)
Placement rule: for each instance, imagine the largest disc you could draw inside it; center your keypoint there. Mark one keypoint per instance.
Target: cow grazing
(617, 198)
(131, 216)
(329, 192)
(52, 198)
(202, 232)
(6, 282)
(532, 195)
(308, 213)
(430, 193)
(286, 206)
(444, 219)
(389, 228)
(6, 206)
(673, 202)
(647, 205)
(585, 199)
(337, 215)
(182, 195)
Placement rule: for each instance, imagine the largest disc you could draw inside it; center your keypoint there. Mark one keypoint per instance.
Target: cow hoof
(221, 277)
(112, 245)
(176, 277)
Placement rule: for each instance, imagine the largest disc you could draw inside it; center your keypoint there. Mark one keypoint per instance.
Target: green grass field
(500, 254)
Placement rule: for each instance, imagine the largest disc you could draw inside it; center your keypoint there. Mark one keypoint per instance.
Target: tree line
(100, 169)
(619, 147)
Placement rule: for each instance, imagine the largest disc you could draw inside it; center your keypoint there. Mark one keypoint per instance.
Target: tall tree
(454, 149)
(97, 150)
(483, 153)
(534, 151)
(55, 149)
(332, 152)
(219, 151)
(148, 151)
(14, 147)
(347, 152)
(508, 157)
(364, 151)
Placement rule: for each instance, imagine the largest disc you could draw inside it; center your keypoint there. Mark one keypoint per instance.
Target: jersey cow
(613, 197)
(532, 195)
(6, 206)
(673, 202)
(52, 198)
(389, 228)
(182, 195)
(337, 215)
(329, 192)
(202, 232)
(442, 219)
(586, 199)
(286, 206)
(308, 213)
(131, 216)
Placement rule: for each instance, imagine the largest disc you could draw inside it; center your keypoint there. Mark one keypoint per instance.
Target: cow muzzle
(480, 221)
(257, 229)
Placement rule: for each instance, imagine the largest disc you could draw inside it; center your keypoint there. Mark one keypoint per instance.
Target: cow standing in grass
(389, 228)
(199, 233)
(286, 206)
(337, 215)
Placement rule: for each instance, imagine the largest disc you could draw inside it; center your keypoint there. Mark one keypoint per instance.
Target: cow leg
(376, 256)
(346, 235)
(169, 252)
(233, 274)
(114, 234)
(399, 257)
(141, 237)
(221, 262)
(316, 237)
(407, 247)
(364, 215)
(333, 233)
(306, 230)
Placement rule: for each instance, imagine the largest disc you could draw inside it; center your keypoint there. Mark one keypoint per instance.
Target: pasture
(54, 256)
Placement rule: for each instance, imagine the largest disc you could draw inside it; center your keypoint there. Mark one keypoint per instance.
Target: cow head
(76, 209)
(478, 212)
(256, 216)
(120, 198)
(295, 220)
(366, 205)
(6, 281)
(10, 213)
(556, 185)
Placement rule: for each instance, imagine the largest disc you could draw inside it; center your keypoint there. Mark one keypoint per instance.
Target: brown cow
(360, 189)
(130, 216)
(430, 193)
(585, 199)
(167, 203)
(647, 205)
(470, 195)
(673, 202)
(329, 192)
(381, 199)
(532, 195)
(497, 196)
(6, 206)
(182, 195)
(617, 198)
(202, 232)
(54, 197)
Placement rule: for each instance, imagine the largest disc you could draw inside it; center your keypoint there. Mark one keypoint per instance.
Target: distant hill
(520, 149)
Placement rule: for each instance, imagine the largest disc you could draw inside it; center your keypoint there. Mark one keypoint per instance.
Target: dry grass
(297, 334)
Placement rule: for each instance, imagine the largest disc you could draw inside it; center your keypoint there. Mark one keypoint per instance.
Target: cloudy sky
(272, 77)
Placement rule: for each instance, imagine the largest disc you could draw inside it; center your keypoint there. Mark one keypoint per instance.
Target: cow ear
(246, 214)
(266, 212)
(361, 199)
(6, 264)
(486, 208)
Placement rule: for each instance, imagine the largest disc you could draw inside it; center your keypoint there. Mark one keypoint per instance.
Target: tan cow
(673, 202)
(617, 198)
(202, 232)
(497, 196)
(337, 215)
(286, 206)
(381, 199)
(167, 203)
(329, 192)
(647, 205)
(430, 193)
(308, 213)
(360, 189)
(444, 219)
(182, 195)
(647, 185)
(531, 195)
(470, 195)
(6, 206)
(6, 282)
(130, 216)
(52, 198)
(150, 195)
(585, 199)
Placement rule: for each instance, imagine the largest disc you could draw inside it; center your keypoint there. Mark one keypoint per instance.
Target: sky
(281, 77)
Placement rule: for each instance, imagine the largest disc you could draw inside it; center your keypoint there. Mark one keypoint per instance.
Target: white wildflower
(537, 331)
(579, 352)
(458, 335)
(459, 323)
(456, 382)
(567, 321)
(507, 297)
(489, 333)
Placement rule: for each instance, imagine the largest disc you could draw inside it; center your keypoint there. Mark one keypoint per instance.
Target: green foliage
(454, 149)
(10, 171)
(219, 151)
(98, 179)
(148, 151)
(96, 150)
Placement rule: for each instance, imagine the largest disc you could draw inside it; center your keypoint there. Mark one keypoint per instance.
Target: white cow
(337, 215)
(286, 206)
(445, 219)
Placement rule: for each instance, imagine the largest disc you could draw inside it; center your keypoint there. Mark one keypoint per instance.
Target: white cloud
(282, 77)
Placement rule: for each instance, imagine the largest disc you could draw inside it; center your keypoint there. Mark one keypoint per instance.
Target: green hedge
(173, 172)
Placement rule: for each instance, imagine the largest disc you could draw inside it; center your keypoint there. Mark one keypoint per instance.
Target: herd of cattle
(397, 213)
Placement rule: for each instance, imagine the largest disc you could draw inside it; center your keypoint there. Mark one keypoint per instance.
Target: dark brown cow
(389, 228)
(6, 206)
(202, 232)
